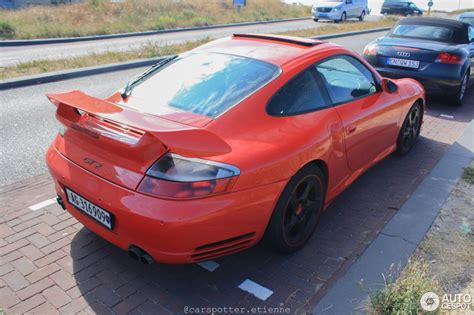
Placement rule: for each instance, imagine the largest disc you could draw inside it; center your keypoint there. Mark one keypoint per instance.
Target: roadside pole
(430, 4)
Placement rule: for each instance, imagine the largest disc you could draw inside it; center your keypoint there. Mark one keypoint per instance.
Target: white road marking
(209, 265)
(256, 289)
(42, 204)
(446, 116)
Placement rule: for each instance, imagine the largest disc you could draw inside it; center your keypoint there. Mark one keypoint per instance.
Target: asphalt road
(28, 125)
(13, 55)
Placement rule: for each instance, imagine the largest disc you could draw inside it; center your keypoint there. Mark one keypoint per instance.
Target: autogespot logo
(429, 301)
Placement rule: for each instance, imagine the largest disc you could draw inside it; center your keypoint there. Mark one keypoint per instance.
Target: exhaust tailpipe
(138, 254)
(60, 202)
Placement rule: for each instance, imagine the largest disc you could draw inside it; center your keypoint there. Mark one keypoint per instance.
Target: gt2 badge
(92, 163)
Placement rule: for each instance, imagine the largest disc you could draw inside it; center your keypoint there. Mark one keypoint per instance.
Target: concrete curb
(401, 235)
(46, 41)
(76, 73)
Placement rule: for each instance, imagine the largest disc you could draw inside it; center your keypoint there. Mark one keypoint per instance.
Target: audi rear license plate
(100, 215)
(407, 63)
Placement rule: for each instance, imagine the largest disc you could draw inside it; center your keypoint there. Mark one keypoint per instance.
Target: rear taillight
(445, 57)
(371, 50)
(174, 176)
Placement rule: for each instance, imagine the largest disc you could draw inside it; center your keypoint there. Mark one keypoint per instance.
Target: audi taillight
(175, 176)
(371, 50)
(450, 58)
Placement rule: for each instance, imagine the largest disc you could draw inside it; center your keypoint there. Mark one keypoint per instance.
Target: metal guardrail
(81, 72)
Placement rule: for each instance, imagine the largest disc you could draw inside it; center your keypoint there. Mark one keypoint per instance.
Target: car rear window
(431, 32)
(468, 19)
(207, 84)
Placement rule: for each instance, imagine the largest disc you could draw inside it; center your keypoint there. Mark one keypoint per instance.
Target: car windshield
(207, 84)
(432, 32)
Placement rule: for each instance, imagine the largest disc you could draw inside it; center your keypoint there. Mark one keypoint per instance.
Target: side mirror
(389, 86)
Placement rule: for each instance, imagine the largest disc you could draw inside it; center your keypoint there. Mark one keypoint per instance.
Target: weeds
(402, 295)
(349, 26)
(468, 175)
(41, 66)
(94, 17)
(456, 12)
(6, 30)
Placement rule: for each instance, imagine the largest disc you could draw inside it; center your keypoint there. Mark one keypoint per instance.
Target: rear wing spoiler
(179, 138)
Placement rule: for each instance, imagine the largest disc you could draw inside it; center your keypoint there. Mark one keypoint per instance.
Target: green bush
(468, 175)
(97, 3)
(165, 22)
(6, 30)
(188, 14)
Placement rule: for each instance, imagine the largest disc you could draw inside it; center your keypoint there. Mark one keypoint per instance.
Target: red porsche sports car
(244, 138)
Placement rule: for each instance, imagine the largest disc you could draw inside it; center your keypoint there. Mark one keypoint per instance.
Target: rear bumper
(437, 78)
(171, 231)
(434, 85)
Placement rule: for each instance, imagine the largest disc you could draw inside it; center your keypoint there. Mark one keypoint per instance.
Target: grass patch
(95, 17)
(6, 30)
(402, 295)
(349, 26)
(42, 66)
(468, 175)
(456, 12)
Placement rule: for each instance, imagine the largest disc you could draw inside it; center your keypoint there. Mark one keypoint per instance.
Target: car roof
(467, 14)
(460, 35)
(434, 21)
(270, 48)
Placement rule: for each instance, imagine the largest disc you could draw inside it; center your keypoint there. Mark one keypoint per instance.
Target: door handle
(351, 128)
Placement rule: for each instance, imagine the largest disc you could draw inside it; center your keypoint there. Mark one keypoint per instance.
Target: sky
(446, 5)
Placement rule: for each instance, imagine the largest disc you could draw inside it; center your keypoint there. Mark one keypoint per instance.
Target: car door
(401, 8)
(349, 8)
(370, 117)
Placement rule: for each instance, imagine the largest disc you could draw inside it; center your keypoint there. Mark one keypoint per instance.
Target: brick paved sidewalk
(50, 263)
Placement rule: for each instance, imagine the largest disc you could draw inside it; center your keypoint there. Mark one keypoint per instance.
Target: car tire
(458, 97)
(343, 17)
(410, 130)
(315, 20)
(297, 211)
(362, 16)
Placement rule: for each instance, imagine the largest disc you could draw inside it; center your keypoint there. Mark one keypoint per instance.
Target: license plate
(407, 63)
(100, 215)
(322, 14)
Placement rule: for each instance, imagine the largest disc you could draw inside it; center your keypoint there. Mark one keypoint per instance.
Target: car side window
(346, 78)
(471, 34)
(304, 93)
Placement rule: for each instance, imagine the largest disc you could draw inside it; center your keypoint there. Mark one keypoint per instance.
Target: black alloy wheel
(410, 130)
(297, 212)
